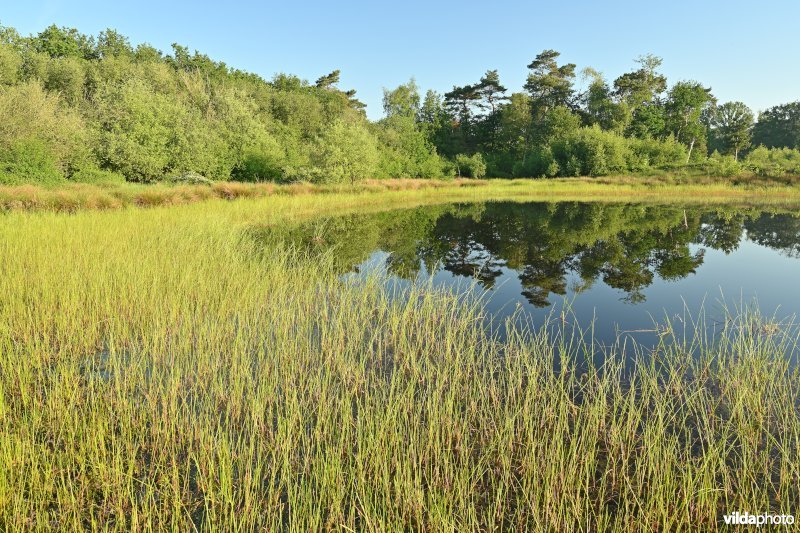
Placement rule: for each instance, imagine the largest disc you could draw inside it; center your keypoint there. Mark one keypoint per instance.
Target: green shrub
(65, 76)
(654, 153)
(724, 166)
(405, 152)
(773, 162)
(146, 135)
(471, 166)
(500, 165)
(28, 161)
(97, 176)
(538, 163)
(432, 167)
(591, 152)
(257, 166)
(10, 63)
(345, 152)
(28, 113)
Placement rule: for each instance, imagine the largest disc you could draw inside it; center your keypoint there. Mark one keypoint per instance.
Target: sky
(747, 51)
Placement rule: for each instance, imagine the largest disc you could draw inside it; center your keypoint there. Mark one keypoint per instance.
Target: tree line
(98, 109)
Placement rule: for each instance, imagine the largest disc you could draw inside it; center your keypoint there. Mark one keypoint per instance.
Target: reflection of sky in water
(752, 273)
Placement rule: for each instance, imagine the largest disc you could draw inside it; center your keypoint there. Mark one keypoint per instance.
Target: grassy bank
(161, 369)
(693, 188)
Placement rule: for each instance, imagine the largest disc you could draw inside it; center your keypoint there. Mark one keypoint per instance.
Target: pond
(628, 270)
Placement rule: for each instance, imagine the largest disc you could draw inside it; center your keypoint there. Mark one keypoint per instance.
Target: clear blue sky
(748, 51)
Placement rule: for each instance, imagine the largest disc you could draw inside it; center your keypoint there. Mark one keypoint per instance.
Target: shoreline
(76, 197)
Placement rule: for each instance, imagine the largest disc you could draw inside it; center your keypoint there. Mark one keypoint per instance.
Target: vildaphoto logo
(758, 520)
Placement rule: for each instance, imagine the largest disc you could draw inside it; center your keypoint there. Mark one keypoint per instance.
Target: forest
(97, 109)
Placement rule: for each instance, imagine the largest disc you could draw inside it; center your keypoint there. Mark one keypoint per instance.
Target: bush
(471, 166)
(434, 167)
(10, 63)
(538, 163)
(404, 150)
(773, 162)
(594, 152)
(29, 115)
(648, 153)
(28, 161)
(500, 165)
(345, 152)
(724, 166)
(257, 166)
(96, 176)
(146, 135)
(591, 152)
(65, 76)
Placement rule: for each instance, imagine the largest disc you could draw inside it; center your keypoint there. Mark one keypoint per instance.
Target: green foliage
(779, 127)
(733, 124)
(146, 135)
(147, 116)
(65, 76)
(653, 153)
(10, 64)
(642, 86)
(101, 103)
(111, 43)
(538, 163)
(725, 166)
(686, 104)
(405, 151)
(345, 152)
(136, 126)
(30, 115)
(96, 176)
(559, 123)
(516, 130)
(470, 166)
(591, 152)
(28, 161)
(256, 166)
(549, 84)
(599, 105)
(773, 162)
(648, 121)
(64, 42)
(402, 101)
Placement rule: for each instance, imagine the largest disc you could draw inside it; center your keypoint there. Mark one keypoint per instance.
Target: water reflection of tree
(778, 231)
(544, 243)
(625, 246)
(722, 231)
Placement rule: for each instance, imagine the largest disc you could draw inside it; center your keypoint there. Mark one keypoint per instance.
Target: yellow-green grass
(160, 369)
(73, 197)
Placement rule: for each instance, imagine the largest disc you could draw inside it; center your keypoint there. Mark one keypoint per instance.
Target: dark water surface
(628, 269)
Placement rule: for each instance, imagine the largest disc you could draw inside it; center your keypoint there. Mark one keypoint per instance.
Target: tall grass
(160, 370)
(688, 187)
(74, 196)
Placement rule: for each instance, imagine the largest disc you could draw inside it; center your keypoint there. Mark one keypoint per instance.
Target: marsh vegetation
(161, 369)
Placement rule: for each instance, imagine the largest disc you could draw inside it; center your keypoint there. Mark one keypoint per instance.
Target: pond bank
(74, 197)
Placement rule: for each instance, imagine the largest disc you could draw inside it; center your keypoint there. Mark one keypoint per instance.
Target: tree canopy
(74, 105)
